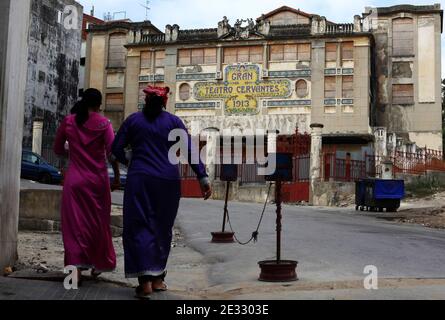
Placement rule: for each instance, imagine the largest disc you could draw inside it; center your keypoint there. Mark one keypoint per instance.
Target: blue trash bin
(382, 194)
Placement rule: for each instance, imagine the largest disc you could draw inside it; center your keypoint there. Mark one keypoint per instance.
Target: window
(277, 53)
(184, 92)
(159, 59)
(290, 52)
(115, 102)
(347, 50)
(184, 57)
(348, 87)
(82, 61)
(117, 51)
(301, 88)
(331, 52)
(304, 52)
(403, 43)
(243, 54)
(301, 52)
(30, 158)
(330, 87)
(188, 57)
(146, 60)
(402, 94)
(197, 56)
(210, 55)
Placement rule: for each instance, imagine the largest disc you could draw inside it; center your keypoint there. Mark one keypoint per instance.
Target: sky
(195, 14)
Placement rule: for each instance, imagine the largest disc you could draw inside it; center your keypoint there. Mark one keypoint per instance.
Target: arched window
(301, 88)
(184, 92)
(116, 50)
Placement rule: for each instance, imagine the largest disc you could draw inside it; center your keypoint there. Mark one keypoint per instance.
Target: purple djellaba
(153, 189)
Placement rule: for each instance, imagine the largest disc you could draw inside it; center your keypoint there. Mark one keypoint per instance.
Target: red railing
(347, 170)
(416, 163)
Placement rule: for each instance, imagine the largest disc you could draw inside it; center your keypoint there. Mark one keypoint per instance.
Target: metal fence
(347, 170)
(417, 163)
(248, 173)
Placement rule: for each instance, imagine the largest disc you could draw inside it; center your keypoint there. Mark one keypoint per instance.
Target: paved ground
(332, 246)
(18, 289)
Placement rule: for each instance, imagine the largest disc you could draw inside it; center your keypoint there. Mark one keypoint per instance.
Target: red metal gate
(299, 145)
(189, 184)
(190, 187)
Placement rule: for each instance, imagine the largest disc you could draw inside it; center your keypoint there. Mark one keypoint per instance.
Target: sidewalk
(18, 289)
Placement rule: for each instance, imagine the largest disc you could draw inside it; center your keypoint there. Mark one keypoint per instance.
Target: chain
(255, 234)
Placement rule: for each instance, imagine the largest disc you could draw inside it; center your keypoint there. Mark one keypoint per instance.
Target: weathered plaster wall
(53, 68)
(287, 18)
(419, 122)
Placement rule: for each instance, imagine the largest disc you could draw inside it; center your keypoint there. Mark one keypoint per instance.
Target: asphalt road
(331, 245)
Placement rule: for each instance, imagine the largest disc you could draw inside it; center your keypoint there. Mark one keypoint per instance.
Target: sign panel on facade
(241, 89)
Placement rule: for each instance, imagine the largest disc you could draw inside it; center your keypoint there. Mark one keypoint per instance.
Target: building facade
(373, 83)
(53, 70)
(88, 20)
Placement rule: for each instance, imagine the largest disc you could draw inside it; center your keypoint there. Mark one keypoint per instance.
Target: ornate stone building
(375, 78)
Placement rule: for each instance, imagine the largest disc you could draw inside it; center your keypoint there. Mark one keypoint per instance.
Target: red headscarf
(158, 91)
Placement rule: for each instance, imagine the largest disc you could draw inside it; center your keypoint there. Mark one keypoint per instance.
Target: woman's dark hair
(154, 106)
(91, 99)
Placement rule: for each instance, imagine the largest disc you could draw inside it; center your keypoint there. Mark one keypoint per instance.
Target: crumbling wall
(333, 194)
(53, 68)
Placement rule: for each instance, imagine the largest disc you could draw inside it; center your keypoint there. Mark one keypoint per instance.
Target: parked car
(34, 167)
(123, 174)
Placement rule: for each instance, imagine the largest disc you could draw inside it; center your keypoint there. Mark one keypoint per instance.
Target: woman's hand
(206, 189)
(117, 175)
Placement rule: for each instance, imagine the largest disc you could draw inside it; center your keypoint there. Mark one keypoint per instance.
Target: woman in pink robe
(86, 200)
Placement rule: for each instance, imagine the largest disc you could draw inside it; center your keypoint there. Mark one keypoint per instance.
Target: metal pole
(279, 217)
(225, 207)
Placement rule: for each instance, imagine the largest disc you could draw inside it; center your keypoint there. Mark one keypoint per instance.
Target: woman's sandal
(141, 295)
(162, 289)
(95, 274)
(164, 286)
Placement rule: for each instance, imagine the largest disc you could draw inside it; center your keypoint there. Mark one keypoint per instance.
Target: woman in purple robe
(153, 190)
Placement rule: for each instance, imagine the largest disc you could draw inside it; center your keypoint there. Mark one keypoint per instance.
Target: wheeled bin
(378, 194)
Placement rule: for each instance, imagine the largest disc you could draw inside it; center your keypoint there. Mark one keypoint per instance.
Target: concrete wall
(53, 67)
(431, 177)
(244, 193)
(332, 194)
(31, 201)
(13, 55)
